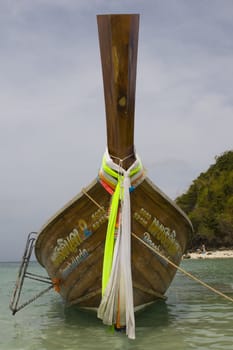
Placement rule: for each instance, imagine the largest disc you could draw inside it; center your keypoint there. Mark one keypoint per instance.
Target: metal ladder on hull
(23, 273)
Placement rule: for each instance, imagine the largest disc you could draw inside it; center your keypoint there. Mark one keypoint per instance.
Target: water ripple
(192, 318)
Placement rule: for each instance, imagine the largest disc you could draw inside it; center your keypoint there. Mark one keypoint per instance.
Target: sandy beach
(210, 254)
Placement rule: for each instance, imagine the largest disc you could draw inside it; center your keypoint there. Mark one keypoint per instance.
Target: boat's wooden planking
(118, 39)
(71, 245)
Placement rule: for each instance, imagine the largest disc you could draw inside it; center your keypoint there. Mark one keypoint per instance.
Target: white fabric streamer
(118, 295)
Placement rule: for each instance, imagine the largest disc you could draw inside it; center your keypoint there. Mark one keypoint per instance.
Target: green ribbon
(116, 197)
(109, 243)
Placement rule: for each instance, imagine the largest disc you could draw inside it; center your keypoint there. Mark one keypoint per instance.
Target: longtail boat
(109, 248)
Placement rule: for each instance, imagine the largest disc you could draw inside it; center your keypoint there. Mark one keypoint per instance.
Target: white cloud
(52, 122)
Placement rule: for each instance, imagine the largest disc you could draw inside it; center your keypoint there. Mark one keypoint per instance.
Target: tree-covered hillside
(209, 204)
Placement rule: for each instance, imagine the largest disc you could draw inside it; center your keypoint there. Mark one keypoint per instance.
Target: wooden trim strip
(149, 291)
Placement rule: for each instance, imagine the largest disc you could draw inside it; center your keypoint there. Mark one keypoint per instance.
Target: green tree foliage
(209, 204)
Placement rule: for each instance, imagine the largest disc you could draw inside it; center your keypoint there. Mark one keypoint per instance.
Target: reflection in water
(73, 326)
(191, 318)
(145, 317)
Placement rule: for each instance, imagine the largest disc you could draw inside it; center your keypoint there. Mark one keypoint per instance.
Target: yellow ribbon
(116, 197)
(109, 243)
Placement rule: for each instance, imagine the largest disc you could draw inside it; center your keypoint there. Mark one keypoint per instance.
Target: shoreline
(210, 254)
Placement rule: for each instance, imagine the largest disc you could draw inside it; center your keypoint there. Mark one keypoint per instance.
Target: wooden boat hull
(71, 245)
(151, 230)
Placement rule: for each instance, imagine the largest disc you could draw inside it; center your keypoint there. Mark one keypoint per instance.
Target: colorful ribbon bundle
(117, 305)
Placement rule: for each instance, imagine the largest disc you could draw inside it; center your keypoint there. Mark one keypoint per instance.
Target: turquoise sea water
(191, 318)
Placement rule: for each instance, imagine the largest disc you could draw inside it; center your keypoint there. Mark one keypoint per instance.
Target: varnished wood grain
(83, 284)
(118, 39)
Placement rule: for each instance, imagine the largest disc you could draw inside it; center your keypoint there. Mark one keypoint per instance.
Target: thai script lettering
(143, 217)
(163, 234)
(98, 218)
(69, 245)
(75, 261)
(148, 240)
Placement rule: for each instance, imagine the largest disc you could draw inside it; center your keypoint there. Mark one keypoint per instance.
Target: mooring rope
(182, 270)
(92, 199)
(188, 274)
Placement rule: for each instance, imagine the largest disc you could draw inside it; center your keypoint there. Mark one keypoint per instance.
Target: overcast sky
(52, 117)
